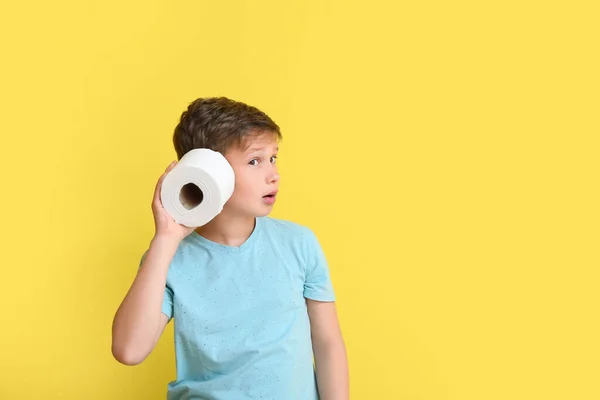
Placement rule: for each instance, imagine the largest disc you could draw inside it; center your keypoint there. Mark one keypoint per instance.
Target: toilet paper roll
(196, 189)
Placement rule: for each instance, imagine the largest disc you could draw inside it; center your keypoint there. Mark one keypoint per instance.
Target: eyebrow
(259, 148)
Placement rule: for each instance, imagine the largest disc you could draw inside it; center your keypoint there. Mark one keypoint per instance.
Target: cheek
(247, 184)
(238, 197)
(242, 188)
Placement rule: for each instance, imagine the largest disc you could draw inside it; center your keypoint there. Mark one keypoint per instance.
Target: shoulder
(285, 228)
(293, 240)
(290, 234)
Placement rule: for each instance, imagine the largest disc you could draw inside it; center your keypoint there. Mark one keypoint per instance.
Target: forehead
(259, 142)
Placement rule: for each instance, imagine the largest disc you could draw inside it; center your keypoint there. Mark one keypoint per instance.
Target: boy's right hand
(165, 224)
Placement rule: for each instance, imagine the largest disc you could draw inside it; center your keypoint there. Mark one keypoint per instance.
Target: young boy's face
(256, 176)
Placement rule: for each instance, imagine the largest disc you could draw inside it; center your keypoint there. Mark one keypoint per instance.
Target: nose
(274, 178)
(273, 175)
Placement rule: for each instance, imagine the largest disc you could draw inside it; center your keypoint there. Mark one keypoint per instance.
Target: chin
(264, 213)
(256, 212)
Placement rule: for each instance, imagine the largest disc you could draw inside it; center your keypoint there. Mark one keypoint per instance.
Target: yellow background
(445, 153)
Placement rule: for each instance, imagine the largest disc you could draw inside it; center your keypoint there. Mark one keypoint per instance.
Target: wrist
(165, 240)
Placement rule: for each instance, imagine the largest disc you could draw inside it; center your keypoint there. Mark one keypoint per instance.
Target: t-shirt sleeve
(167, 304)
(317, 282)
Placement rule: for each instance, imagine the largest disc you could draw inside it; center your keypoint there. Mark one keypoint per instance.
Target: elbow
(125, 349)
(127, 355)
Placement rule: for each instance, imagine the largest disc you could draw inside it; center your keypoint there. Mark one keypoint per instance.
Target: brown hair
(217, 123)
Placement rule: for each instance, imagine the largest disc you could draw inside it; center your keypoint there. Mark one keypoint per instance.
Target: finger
(171, 166)
(160, 181)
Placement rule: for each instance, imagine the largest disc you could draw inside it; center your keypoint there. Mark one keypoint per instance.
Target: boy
(251, 295)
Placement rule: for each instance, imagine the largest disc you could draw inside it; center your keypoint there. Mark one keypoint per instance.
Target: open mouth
(270, 198)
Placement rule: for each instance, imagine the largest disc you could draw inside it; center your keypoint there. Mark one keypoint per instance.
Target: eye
(274, 159)
(254, 161)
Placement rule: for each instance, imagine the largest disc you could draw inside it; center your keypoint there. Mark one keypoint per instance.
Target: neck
(227, 229)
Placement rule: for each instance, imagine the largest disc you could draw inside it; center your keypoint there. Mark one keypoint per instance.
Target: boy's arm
(139, 322)
(329, 351)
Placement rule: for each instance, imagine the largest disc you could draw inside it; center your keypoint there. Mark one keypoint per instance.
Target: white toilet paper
(196, 189)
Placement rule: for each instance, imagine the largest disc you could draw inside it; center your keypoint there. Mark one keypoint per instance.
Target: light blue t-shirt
(241, 325)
